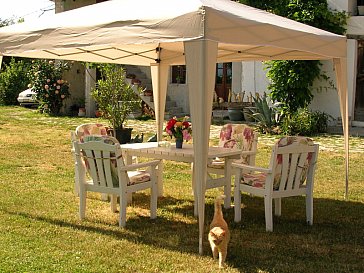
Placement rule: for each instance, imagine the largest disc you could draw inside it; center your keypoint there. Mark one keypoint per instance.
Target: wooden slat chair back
(78, 135)
(290, 173)
(101, 158)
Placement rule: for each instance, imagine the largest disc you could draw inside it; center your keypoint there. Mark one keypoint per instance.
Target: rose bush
(46, 81)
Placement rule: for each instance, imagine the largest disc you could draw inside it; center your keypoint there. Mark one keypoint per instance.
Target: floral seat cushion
(136, 177)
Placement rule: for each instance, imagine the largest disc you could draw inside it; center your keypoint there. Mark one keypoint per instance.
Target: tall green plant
(266, 116)
(114, 95)
(291, 82)
(13, 80)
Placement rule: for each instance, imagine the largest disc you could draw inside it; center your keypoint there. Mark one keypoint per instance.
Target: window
(179, 74)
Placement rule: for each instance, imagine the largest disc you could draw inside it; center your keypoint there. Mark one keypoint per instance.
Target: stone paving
(334, 143)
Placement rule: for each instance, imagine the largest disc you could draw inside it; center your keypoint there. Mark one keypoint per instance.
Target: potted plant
(116, 99)
(81, 107)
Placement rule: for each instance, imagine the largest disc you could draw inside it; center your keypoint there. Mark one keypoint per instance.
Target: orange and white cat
(219, 234)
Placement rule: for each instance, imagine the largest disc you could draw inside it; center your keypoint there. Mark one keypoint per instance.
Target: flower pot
(361, 10)
(123, 135)
(235, 114)
(179, 143)
(81, 112)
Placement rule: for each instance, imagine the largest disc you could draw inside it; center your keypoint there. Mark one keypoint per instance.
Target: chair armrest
(248, 152)
(131, 167)
(251, 168)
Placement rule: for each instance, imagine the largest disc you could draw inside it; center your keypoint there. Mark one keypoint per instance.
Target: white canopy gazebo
(160, 33)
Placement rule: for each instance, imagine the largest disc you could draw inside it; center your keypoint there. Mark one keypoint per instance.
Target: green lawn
(40, 230)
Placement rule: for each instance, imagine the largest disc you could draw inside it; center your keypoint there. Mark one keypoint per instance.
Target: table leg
(128, 161)
(160, 178)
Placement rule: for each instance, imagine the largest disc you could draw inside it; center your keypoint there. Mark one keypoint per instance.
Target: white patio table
(186, 154)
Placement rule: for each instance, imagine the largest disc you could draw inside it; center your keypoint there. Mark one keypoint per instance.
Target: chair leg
(237, 199)
(153, 199)
(82, 208)
(309, 209)
(268, 213)
(227, 186)
(123, 204)
(113, 202)
(278, 206)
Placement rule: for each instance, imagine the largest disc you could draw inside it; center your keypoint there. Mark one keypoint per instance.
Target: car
(27, 98)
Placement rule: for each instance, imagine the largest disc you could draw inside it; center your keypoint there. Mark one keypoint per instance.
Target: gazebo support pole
(201, 58)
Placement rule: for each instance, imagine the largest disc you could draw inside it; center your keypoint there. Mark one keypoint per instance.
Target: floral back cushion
(238, 136)
(90, 129)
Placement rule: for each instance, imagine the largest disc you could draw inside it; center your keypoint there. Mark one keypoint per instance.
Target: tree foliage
(114, 96)
(13, 80)
(291, 81)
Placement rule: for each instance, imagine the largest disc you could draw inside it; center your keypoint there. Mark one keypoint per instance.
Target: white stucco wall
(325, 97)
(254, 78)
(346, 5)
(179, 93)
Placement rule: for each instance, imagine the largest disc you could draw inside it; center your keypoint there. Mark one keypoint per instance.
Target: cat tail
(219, 199)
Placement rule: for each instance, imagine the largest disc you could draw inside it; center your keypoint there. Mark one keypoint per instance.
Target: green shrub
(305, 122)
(13, 80)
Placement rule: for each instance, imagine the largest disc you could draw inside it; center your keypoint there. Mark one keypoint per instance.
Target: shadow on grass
(335, 242)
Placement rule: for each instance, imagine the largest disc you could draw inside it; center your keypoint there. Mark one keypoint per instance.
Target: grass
(40, 230)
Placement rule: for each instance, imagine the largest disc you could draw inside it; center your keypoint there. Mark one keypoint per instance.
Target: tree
(114, 96)
(13, 80)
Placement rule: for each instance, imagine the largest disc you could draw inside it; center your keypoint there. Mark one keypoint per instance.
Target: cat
(219, 234)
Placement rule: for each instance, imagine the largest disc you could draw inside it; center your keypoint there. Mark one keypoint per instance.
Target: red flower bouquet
(180, 128)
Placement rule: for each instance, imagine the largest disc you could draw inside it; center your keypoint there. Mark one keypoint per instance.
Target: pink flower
(63, 96)
(48, 80)
(57, 91)
(46, 87)
(58, 87)
(186, 135)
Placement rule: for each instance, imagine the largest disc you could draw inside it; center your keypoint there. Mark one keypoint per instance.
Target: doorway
(223, 80)
(359, 94)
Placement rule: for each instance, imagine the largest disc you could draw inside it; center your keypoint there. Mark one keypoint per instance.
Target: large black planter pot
(235, 114)
(123, 135)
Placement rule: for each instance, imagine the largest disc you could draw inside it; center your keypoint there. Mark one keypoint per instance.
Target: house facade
(241, 80)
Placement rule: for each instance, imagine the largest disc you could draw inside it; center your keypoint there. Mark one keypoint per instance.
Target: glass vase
(179, 142)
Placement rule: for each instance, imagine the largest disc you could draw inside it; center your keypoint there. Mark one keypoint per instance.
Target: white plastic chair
(101, 157)
(290, 173)
(78, 135)
(239, 136)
